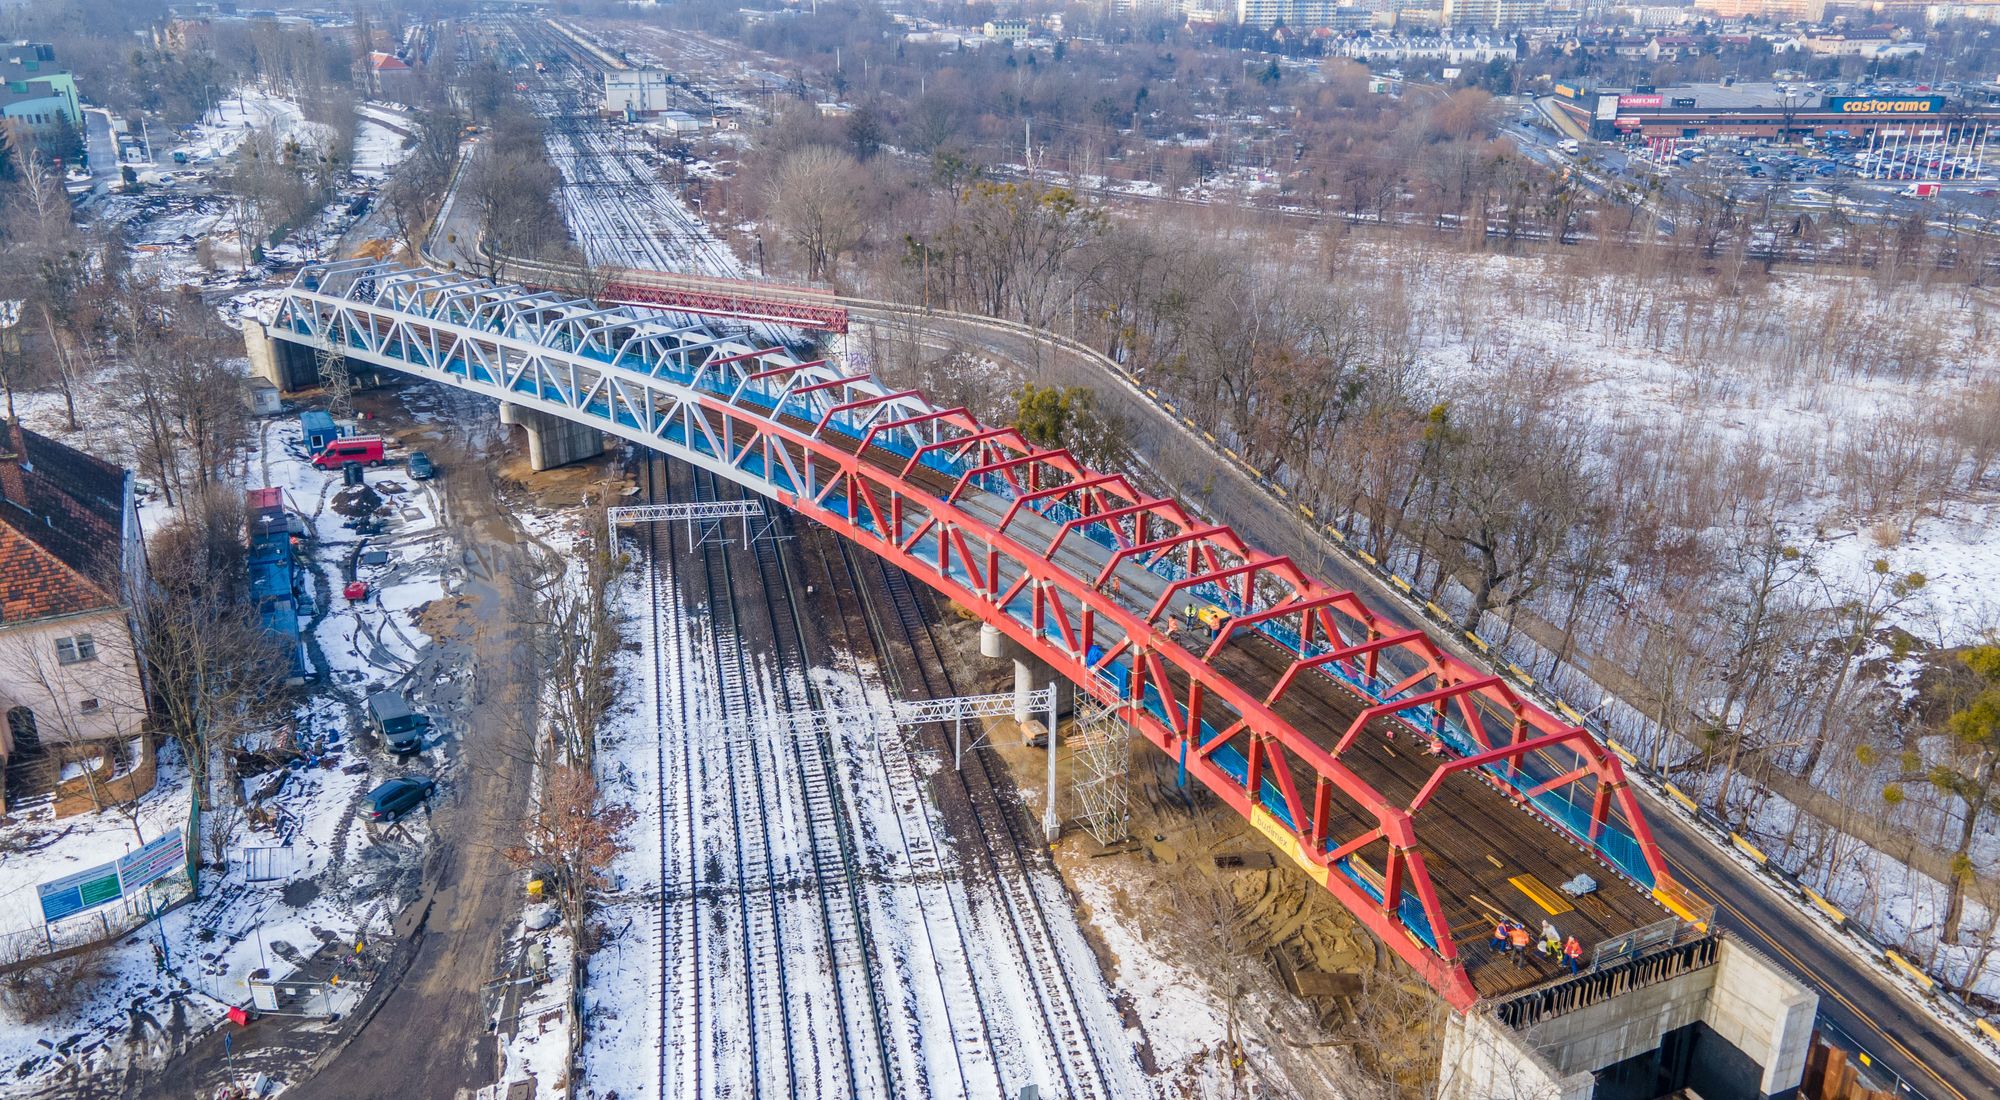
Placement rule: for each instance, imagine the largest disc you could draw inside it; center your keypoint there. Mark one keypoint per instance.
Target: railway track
(618, 208)
(1012, 868)
(679, 916)
(829, 836)
(978, 1049)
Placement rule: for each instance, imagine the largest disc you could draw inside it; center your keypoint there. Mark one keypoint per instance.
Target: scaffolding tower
(1101, 770)
(338, 381)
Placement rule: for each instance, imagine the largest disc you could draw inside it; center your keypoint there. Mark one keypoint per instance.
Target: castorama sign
(1886, 105)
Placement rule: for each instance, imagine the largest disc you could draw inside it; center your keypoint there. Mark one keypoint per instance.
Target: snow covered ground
(378, 147)
(324, 877)
(749, 944)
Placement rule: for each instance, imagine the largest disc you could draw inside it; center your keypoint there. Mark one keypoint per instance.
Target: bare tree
(214, 672)
(572, 837)
(816, 198)
(576, 643)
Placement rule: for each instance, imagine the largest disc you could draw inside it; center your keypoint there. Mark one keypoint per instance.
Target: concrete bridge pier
(552, 440)
(992, 643)
(282, 363)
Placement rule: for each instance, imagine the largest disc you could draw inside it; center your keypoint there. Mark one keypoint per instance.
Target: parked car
(391, 800)
(399, 725)
(365, 450)
(420, 466)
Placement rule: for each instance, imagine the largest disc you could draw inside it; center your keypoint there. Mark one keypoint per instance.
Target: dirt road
(471, 894)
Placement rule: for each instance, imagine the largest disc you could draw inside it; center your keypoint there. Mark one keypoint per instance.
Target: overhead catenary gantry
(1288, 712)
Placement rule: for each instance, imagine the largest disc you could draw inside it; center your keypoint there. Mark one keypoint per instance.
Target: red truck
(365, 449)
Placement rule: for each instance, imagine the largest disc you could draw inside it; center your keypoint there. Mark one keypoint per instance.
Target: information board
(161, 856)
(130, 873)
(72, 894)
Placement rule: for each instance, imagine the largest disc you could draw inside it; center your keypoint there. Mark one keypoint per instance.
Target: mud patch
(357, 500)
(451, 618)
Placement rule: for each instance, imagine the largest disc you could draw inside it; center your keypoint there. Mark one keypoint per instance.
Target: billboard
(72, 894)
(1640, 100)
(1886, 105)
(1607, 106)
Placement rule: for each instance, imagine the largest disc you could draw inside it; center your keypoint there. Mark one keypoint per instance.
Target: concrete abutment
(1728, 1023)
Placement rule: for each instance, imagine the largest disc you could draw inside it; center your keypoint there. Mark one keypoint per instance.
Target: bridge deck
(1480, 863)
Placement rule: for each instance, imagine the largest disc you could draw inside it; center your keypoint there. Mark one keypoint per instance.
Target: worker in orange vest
(1518, 940)
(1499, 936)
(1572, 954)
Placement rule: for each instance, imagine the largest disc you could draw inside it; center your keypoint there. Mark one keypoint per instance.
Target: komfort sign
(1882, 105)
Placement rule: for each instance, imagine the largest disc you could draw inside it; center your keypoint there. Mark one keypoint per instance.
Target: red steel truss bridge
(1316, 717)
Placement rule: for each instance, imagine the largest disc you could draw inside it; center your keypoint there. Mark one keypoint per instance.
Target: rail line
(917, 842)
(763, 925)
(1028, 927)
(685, 917)
(844, 929)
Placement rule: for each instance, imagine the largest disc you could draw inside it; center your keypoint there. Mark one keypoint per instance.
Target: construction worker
(1189, 616)
(1518, 940)
(1573, 955)
(1499, 936)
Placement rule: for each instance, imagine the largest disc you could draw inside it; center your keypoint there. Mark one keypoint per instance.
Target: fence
(87, 930)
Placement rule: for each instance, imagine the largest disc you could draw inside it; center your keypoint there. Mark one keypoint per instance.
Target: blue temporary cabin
(320, 430)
